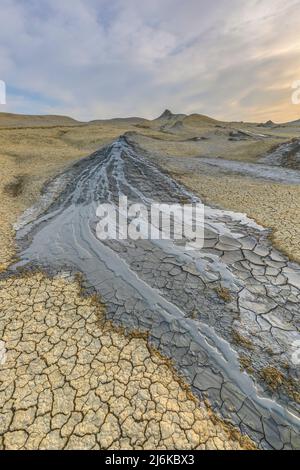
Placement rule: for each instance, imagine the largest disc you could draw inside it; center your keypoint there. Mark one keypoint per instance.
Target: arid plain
(74, 379)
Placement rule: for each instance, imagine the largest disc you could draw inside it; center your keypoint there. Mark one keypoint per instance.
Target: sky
(90, 59)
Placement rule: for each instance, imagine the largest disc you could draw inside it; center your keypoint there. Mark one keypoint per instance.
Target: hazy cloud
(101, 58)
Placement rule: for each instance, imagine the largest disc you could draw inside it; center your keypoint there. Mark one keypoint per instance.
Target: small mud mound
(16, 187)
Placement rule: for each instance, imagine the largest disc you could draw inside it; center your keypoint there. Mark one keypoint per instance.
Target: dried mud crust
(189, 303)
(275, 206)
(272, 205)
(72, 381)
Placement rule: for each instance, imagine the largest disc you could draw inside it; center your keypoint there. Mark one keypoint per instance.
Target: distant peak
(268, 124)
(167, 114)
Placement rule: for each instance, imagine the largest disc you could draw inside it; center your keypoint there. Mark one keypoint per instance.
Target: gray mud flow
(270, 171)
(194, 304)
(285, 155)
(282, 165)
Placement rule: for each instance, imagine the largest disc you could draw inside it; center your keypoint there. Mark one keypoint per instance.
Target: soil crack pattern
(227, 315)
(71, 380)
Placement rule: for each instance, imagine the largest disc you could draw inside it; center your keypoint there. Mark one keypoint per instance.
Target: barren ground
(71, 379)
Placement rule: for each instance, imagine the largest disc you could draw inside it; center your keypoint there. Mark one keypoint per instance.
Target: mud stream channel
(205, 309)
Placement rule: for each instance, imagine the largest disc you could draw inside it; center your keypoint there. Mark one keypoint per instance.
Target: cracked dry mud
(231, 306)
(267, 191)
(73, 381)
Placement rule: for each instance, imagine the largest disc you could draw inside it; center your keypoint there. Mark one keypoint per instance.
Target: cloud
(104, 58)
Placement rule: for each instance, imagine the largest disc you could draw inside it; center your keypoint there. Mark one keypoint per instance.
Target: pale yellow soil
(217, 145)
(28, 158)
(69, 380)
(22, 120)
